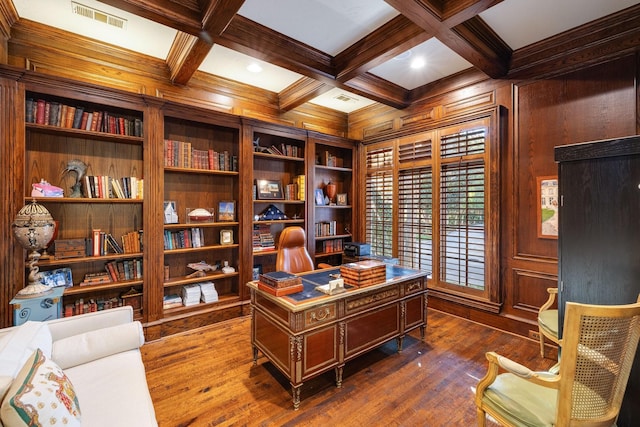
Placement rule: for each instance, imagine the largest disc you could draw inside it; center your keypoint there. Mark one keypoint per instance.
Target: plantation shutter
(379, 201)
(415, 231)
(462, 209)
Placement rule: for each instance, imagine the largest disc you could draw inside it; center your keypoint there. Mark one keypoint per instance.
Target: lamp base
(33, 290)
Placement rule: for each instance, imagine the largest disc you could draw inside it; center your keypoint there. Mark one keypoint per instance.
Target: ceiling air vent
(98, 15)
(345, 98)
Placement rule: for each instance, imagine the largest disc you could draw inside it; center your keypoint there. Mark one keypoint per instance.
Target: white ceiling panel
(522, 22)
(139, 34)
(233, 65)
(327, 25)
(439, 61)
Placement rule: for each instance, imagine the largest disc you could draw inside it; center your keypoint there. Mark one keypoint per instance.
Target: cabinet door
(599, 231)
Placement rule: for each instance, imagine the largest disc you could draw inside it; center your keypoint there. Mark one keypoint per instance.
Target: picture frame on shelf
(269, 189)
(341, 199)
(226, 237)
(547, 210)
(57, 277)
(170, 212)
(257, 271)
(227, 211)
(319, 197)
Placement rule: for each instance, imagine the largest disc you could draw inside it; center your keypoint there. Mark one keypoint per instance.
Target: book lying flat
(280, 291)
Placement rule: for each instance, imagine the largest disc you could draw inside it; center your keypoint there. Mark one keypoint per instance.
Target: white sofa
(100, 355)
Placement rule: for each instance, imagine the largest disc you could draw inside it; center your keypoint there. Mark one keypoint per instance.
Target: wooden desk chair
(598, 348)
(548, 320)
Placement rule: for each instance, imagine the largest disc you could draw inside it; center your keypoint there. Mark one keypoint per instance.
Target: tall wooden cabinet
(599, 233)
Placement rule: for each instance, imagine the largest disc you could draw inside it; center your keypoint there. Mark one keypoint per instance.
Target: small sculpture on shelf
(227, 269)
(200, 268)
(80, 169)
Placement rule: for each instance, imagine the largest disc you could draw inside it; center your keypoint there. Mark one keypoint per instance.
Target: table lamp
(33, 228)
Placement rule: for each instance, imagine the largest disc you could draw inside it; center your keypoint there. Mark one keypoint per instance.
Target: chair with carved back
(598, 349)
(548, 320)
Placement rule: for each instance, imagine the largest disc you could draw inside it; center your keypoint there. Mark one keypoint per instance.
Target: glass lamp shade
(33, 228)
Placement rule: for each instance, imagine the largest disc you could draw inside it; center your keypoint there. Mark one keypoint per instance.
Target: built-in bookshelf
(201, 223)
(87, 150)
(333, 196)
(278, 188)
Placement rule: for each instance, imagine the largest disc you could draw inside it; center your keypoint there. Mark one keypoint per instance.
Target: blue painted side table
(40, 308)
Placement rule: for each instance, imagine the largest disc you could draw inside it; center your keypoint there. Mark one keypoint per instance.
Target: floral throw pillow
(41, 395)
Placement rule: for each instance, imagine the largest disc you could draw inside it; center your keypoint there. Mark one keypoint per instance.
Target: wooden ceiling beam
(391, 39)
(188, 52)
(379, 90)
(471, 38)
(184, 16)
(301, 92)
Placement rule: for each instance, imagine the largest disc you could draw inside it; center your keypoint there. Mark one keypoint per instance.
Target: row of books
(330, 160)
(115, 271)
(286, 150)
(62, 115)
(81, 307)
(102, 243)
(182, 155)
(325, 228)
(106, 187)
(262, 238)
(188, 238)
(329, 246)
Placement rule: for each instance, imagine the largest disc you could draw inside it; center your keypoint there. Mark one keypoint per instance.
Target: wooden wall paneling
(12, 137)
(590, 104)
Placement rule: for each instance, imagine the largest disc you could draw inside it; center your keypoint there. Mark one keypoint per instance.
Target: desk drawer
(319, 315)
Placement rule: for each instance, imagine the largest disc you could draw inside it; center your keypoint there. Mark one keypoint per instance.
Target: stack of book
(190, 295)
(171, 301)
(262, 238)
(208, 292)
(364, 273)
(280, 283)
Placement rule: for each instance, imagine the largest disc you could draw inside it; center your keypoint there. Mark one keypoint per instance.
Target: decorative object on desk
(280, 283)
(44, 189)
(80, 169)
(547, 212)
(33, 228)
(268, 189)
(226, 237)
(227, 269)
(319, 197)
(227, 210)
(341, 199)
(170, 212)
(335, 286)
(200, 268)
(200, 215)
(272, 213)
(331, 189)
(364, 273)
(45, 253)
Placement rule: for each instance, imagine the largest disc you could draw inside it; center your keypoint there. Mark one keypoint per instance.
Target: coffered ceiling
(347, 54)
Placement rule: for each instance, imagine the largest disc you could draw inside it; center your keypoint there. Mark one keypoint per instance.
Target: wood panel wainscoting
(206, 377)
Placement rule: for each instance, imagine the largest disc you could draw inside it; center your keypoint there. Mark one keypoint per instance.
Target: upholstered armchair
(598, 349)
(548, 320)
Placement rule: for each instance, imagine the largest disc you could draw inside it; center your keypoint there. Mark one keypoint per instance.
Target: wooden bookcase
(50, 144)
(330, 224)
(201, 171)
(278, 159)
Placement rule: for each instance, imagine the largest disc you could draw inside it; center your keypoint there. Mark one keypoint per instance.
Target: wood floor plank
(206, 377)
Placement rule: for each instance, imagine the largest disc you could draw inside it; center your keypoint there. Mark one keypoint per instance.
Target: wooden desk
(309, 333)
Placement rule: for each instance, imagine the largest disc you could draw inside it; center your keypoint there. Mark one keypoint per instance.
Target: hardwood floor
(206, 377)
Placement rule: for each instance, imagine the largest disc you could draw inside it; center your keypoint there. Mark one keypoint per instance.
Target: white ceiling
(329, 26)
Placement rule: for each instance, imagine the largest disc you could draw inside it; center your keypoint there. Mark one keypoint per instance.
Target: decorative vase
(331, 190)
(45, 253)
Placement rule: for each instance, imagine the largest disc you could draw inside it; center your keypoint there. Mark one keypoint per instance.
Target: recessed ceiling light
(418, 63)
(254, 67)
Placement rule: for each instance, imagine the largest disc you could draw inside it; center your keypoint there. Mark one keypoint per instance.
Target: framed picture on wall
(547, 212)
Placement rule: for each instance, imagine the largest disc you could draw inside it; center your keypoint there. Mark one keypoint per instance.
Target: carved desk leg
(339, 371)
(423, 330)
(255, 355)
(295, 392)
(399, 343)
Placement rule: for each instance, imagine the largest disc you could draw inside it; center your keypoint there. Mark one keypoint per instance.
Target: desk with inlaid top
(309, 333)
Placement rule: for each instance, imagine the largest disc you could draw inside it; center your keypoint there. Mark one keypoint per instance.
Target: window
(379, 197)
(431, 206)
